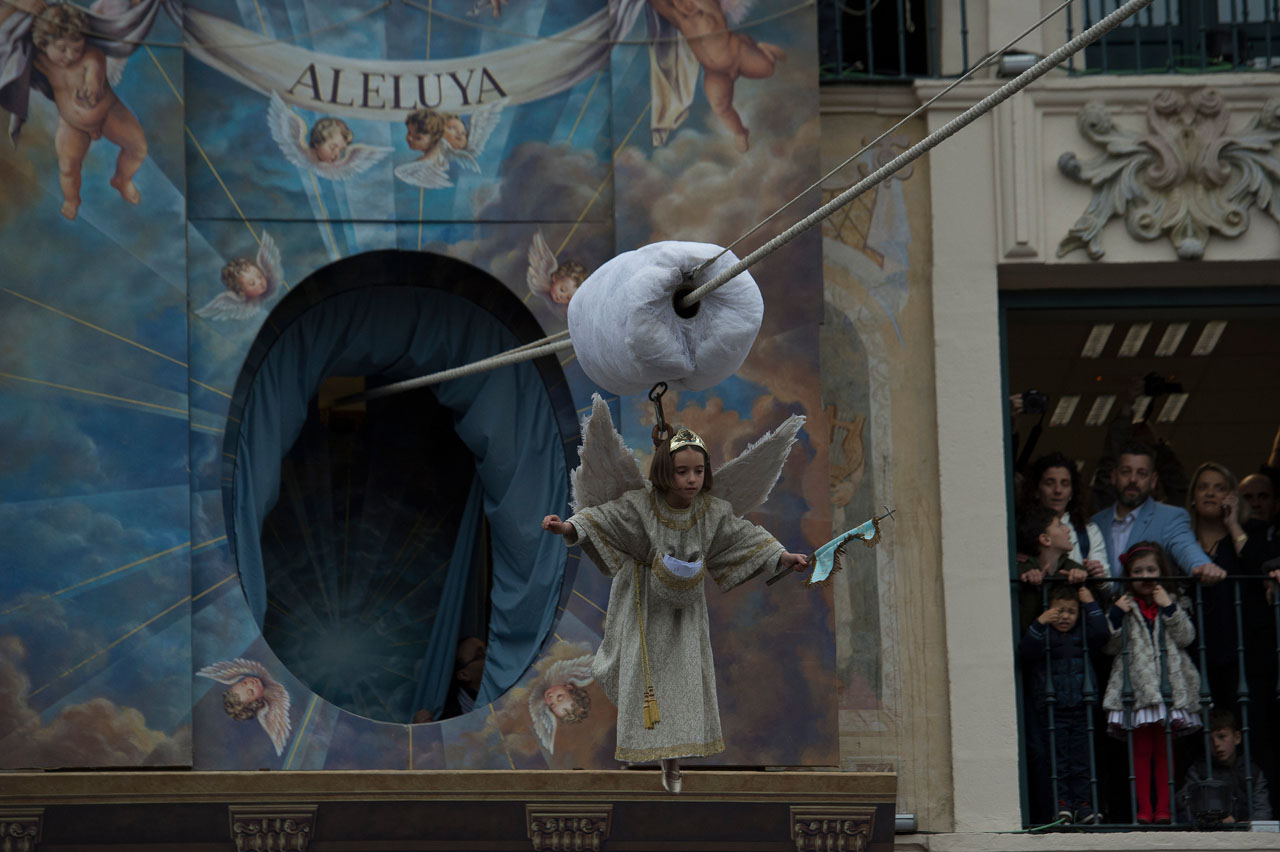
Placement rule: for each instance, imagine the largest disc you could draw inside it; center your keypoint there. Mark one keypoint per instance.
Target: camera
(1034, 401)
(1154, 384)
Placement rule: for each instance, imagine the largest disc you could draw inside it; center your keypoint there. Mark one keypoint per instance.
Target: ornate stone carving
(831, 828)
(1186, 177)
(20, 829)
(272, 828)
(560, 828)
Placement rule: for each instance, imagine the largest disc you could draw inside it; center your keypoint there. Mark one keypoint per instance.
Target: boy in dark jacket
(1055, 655)
(1229, 803)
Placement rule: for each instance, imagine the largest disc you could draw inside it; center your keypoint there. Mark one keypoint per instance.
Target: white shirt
(1121, 529)
(1097, 548)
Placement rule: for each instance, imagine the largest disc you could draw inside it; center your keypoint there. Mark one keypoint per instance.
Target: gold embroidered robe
(627, 538)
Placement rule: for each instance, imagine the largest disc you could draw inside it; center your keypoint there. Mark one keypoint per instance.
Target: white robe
(627, 538)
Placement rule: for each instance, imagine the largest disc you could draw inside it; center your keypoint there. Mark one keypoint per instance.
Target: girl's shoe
(671, 780)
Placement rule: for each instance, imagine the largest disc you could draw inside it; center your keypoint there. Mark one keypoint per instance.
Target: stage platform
(479, 811)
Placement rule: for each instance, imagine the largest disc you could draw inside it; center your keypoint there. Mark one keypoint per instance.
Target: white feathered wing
(274, 716)
(607, 469)
(577, 672)
(542, 263)
(481, 126)
(745, 482)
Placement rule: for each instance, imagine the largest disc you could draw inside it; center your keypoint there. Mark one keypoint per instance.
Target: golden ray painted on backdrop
(172, 87)
(210, 387)
(261, 21)
(101, 576)
(88, 324)
(104, 650)
(211, 541)
(98, 394)
(502, 737)
(594, 82)
(588, 600)
(222, 184)
(216, 585)
(410, 746)
(297, 738)
(608, 177)
(203, 428)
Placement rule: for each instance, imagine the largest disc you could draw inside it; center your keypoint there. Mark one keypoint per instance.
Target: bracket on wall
(20, 829)
(272, 828)
(559, 828)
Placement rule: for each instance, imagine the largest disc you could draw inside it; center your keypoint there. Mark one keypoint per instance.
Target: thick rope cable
(926, 144)
(535, 350)
(982, 63)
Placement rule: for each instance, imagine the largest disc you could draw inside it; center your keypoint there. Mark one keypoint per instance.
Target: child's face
(248, 690)
(563, 287)
(559, 699)
(455, 133)
(690, 471)
(330, 150)
(1058, 535)
(1223, 742)
(64, 52)
(1142, 567)
(252, 283)
(1068, 615)
(417, 140)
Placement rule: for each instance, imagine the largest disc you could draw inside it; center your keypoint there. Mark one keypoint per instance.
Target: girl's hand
(1125, 601)
(553, 524)
(1161, 597)
(1034, 576)
(794, 561)
(1077, 575)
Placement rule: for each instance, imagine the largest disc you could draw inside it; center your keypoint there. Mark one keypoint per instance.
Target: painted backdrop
(180, 170)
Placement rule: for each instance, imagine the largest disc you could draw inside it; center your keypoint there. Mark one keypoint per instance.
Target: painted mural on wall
(878, 327)
(178, 195)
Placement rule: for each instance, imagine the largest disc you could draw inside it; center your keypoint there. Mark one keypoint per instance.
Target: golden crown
(686, 437)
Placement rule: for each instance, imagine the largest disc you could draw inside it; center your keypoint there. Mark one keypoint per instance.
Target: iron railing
(1245, 678)
(900, 40)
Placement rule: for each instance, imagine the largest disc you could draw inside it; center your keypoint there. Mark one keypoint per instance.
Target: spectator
(1136, 516)
(1053, 481)
(1151, 633)
(1230, 771)
(1259, 492)
(1055, 656)
(1042, 532)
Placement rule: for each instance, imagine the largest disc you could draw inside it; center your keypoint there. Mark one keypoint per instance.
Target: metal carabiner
(661, 430)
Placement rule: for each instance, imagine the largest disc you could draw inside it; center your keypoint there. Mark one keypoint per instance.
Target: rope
(544, 347)
(931, 141)
(528, 352)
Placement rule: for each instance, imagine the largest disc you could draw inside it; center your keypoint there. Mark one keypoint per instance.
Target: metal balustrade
(1243, 635)
(900, 40)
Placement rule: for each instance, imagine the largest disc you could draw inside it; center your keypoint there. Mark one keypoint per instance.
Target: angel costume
(656, 630)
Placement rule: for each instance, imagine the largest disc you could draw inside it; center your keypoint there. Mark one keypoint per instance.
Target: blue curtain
(504, 417)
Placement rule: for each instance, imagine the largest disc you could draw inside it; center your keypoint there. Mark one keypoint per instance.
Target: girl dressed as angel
(659, 541)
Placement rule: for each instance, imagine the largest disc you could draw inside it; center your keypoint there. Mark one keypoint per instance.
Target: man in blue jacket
(1137, 517)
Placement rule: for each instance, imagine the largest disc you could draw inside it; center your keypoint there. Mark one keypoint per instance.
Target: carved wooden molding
(831, 828)
(568, 828)
(20, 829)
(272, 828)
(1185, 178)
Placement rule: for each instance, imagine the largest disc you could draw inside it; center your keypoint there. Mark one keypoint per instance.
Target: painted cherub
(546, 277)
(329, 149)
(250, 283)
(443, 139)
(563, 699)
(253, 694)
(88, 108)
(724, 55)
